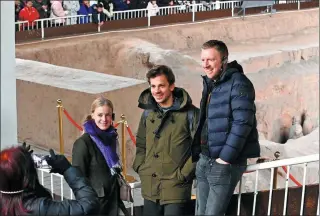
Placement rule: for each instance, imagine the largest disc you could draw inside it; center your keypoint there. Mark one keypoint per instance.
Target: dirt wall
(108, 53)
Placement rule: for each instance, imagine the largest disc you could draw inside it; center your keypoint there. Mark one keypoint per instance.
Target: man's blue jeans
(215, 185)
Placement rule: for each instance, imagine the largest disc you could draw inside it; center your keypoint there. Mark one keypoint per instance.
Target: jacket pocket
(146, 185)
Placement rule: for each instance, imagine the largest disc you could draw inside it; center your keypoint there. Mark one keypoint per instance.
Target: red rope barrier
(116, 125)
(131, 135)
(291, 177)
(71, 120)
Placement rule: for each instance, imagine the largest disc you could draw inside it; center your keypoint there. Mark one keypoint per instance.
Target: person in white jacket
(152, 8)
(72, 7)
(57, 11)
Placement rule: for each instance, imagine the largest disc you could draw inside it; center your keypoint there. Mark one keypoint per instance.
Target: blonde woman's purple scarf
(106, 141)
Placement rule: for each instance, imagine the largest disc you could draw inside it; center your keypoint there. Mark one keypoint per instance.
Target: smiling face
(161, 90)
(211, 62)
(102, 116)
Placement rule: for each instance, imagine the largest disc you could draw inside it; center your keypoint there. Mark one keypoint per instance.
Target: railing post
(123, 145)
(217, 5)
(275, 174)
(99, 23)
(232, 9)
(193, 11)
(298, 4)
(149, 19)
(60, 107)
(42, 29)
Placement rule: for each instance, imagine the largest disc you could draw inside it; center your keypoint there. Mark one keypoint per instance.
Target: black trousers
(151, 208)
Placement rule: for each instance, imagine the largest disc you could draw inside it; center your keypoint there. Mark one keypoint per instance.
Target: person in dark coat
(95, 153)
(42, 7)
(98, 16)
(227, 131)
(22, 194)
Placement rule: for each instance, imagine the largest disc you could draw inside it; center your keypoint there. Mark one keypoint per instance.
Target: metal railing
(256, 169)
(272, 166)
(190, 7)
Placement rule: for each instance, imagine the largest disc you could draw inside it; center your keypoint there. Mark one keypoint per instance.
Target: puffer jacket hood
(232, 67)
(146, 101)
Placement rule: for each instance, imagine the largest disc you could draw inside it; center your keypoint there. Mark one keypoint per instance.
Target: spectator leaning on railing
(152, 8)
(108, 7)
(57, 11)
(42, 7)
(30, 14)
(98, 16)
(72, 6)
(85, 9)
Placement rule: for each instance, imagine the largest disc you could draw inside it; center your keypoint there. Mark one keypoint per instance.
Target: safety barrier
(48, 180)
(138, 13)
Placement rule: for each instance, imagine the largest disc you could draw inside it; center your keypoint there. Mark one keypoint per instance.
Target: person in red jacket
(30, 14)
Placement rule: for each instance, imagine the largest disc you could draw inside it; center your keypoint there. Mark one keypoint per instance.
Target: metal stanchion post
(60, 107)
(123, 145)
(124, 124)
(275, 175)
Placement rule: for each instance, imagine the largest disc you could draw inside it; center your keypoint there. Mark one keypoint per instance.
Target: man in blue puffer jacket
(226, 134)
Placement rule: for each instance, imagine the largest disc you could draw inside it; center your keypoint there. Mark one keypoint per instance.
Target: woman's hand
(59, 163)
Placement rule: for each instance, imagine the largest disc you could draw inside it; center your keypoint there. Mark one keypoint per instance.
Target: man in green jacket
(163, 157)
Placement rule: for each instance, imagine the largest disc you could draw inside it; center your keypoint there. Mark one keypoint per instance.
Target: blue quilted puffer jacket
(227, 114)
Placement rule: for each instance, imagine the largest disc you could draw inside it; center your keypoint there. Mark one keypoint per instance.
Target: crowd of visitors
(101, 10)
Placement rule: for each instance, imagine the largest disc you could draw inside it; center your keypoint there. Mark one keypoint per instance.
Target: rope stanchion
(60, 125)
(124, 124)
(131, 135)
(71, 120)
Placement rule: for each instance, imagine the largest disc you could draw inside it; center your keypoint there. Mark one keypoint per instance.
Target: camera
(40, 161)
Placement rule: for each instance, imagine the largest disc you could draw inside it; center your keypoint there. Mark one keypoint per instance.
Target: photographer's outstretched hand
(59, 163)
(27, 148)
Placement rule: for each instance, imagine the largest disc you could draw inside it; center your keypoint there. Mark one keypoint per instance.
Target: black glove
(27, 148)
(59, 163)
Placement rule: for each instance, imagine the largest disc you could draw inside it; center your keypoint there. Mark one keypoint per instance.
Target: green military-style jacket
(163, 153)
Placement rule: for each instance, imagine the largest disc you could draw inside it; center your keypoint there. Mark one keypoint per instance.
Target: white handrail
(254, 167)
(64, 17)
(137, 13)
(284, 162)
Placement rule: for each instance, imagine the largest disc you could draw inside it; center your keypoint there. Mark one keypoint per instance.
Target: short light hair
(220, 46)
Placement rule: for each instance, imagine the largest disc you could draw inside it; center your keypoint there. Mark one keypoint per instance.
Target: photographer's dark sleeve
(85, 203)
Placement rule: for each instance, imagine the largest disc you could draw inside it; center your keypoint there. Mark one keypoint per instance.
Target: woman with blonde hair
(95, 153)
